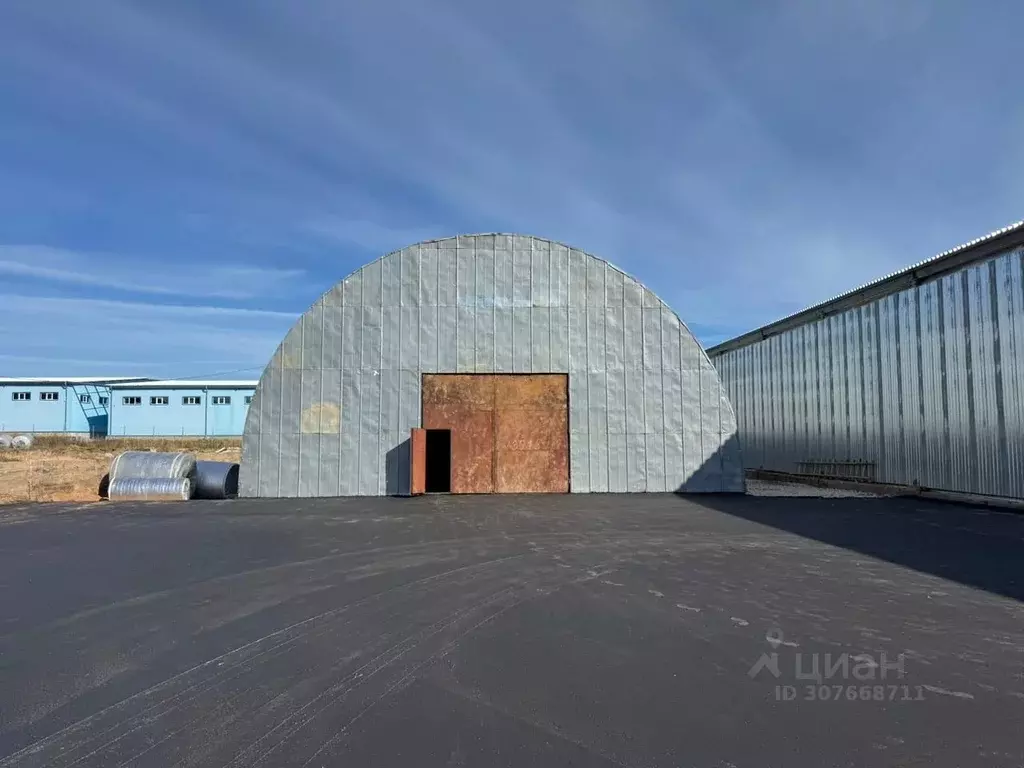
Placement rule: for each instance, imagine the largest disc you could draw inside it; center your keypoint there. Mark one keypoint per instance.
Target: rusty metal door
(465, 405)
(531, 437)
(418, 460)
(510, 432)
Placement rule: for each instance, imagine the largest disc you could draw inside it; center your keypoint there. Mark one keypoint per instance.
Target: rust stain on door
(531, 442)
(465, 405)
(510, 433)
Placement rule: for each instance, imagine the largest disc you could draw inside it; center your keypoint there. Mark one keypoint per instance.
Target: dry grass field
(65, 469)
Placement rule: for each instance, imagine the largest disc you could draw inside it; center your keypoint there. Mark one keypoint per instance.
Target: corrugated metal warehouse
(916, 379)
(530, 365)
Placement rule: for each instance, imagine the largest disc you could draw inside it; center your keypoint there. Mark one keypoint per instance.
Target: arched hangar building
(489, 363)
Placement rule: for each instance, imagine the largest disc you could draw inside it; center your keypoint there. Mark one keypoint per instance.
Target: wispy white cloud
(744, 163)
(164, 338)
(138, 275)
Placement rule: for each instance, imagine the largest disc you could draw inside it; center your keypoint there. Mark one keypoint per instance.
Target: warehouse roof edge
(979, 249)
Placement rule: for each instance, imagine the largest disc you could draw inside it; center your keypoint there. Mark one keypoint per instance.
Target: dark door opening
(439, 461)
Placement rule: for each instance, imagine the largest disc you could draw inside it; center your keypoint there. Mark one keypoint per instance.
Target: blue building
(70, 405)
(179, 408)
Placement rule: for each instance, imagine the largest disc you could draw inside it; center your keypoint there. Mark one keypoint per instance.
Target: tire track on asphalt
(152, 714)
(79, 725)
(340, 691)
(408, 678)
(374, 551)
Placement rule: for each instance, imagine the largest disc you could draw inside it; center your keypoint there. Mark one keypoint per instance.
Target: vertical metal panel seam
(551, 315)
(756, 365)
(755, 398)
(607, 387)
(831, 412)
(800, 393)
(437, 326)
(302, 370)
(863, 385)
(785, 394)
(879, 392)
(476, 316)
(586, 363)
(664, 425)
(805, 333)
(456, 288)
(494, 308)
(772, 398)
(626, 389)
(529, 314)
(922, 417)
(359, 384)
(382, 483)
(700, 404)
(846, 383)
(320, 429)
(380, 369)
(1003, 479)
(341, 386)
(834, 363)
(643, 379)
(972, 434)
(814, 392)
(280, 418)
(745, 394)
(603, 368)
(790, 417)
(682, 403)
(720, 442)
(418, 371)
(818, 374)
(896, 349)
(947, 434)
(780, 406)
(1017, 340)
(768, 433)
(772, 368)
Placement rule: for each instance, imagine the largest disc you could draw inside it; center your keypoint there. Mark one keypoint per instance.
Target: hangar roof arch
(337, 400)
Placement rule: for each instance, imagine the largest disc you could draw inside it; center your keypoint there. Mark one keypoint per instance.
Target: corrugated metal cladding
(333, 411)
(927, 383)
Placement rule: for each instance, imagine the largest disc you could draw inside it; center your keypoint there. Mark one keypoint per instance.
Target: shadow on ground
(970, 545)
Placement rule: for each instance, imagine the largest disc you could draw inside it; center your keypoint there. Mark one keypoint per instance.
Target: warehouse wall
(646, 410)
(927, 383)
(79, 408)
(204, 419)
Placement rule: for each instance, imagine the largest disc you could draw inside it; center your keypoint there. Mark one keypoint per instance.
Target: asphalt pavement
(526, 630)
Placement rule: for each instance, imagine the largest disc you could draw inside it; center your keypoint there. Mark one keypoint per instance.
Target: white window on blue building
(191, 400)
(222, 399)
(49, 397)
(85, 399)
(159, 400)
(131, 400)
(21, 396)
(104, 399)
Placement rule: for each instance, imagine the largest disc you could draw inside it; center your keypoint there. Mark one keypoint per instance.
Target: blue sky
(178, 181)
